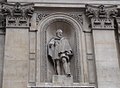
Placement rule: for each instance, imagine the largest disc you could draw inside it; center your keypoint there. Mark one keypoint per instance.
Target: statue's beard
(59, 36)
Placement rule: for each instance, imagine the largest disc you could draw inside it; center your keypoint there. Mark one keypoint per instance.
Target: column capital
(102, 17)
(17, 15)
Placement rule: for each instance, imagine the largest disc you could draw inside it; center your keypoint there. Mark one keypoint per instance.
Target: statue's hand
(69, 53)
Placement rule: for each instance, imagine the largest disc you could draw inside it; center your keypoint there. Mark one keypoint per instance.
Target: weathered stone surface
(66, 87)
(32, 39)
(32, 57)
(75, 85)
(66, 3)
(3, 0)
(16, 58)
(2, 44)
(107, 65)
(25, 59)
(62, 80)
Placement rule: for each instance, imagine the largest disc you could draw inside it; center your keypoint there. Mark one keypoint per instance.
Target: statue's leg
(66, 66)
(69, 68)
(58, 67)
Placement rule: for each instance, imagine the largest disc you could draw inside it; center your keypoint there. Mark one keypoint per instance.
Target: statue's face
(59, 33)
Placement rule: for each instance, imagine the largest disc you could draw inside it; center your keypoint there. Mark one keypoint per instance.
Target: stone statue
(60, 52)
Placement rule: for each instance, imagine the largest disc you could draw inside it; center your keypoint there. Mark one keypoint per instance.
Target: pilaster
(2, 43)
(16, 56)
(102, 23)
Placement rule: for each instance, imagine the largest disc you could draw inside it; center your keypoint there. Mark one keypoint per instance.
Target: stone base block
(75, 85)
(62, 80)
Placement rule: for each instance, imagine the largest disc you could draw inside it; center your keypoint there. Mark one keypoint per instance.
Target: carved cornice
(102, 17)
(2, 18)
(17, 15)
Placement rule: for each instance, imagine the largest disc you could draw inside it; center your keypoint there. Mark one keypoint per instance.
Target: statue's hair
(59, 30)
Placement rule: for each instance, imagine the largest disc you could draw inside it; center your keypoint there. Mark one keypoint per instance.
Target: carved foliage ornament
(17, 9)
(101, 17)
(77, 16)
(101, 11)
(17, 15)
(2, 22)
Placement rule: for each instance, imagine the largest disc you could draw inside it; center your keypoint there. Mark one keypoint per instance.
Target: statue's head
(59, 33)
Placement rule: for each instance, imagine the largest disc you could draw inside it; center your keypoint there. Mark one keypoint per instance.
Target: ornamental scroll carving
(102, 17)
(17, 15)
(77, 16)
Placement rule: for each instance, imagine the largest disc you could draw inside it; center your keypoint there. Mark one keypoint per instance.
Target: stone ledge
(62, 81)
(75, 85)
(64, 87)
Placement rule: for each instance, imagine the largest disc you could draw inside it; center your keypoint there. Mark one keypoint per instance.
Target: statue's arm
(50, 50)
(51, 43)
(69, 49)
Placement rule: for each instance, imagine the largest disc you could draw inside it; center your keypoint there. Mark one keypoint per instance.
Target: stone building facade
(91, 27)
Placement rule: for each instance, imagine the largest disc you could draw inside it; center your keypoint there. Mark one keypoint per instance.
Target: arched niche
(70, 34)
(72, 30)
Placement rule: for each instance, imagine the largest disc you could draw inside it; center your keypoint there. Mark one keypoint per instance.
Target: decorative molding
(17, 15)
(77, 16)
(102, 23)
(40, 16)
(102, 17)
(2, 21)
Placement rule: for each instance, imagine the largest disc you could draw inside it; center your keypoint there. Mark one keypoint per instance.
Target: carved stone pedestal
(62, 80)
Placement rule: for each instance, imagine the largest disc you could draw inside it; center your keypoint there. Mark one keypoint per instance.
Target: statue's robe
(58, 45)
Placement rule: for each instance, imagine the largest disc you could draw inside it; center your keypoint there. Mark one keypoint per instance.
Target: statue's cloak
(58, 46)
